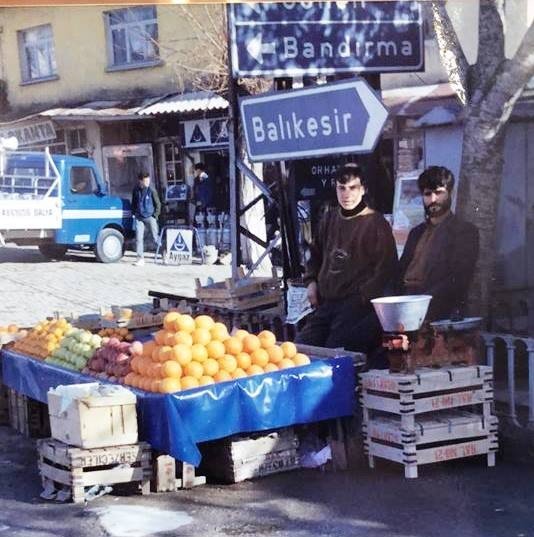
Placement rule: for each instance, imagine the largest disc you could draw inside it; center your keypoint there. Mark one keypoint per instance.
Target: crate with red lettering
(418, 418)
(427, 390)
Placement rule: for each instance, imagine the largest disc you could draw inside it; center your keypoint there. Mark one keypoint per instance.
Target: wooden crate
(242, 294)
(4, 404)
(436, 438)
(238, 458)
(165, 477)
(79, 468)
(427, 390)
(28, 416)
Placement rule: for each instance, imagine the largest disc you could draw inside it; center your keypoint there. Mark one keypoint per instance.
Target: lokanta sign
(34, 133)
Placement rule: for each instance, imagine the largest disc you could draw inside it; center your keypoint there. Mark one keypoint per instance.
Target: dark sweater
(449, 264)
(353, 256)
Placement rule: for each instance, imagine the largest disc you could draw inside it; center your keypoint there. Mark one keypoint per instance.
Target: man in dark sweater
(146, 208)
(440, 254)
(353, 257)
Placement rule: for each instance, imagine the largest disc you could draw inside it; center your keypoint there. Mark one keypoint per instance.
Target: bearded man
(440, 254)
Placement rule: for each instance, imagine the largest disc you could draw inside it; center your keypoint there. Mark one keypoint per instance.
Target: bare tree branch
(451, 52)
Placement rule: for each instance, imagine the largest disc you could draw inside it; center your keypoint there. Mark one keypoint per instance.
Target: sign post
(312, 38)
(344, 117)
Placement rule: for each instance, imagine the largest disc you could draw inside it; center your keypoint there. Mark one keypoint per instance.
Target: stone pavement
(32, 288)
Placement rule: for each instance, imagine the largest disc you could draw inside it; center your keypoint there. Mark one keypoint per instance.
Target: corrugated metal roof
(185, 102)
(418, 100)
(98, 110)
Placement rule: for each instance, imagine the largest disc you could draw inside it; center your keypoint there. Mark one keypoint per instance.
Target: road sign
(310, 38)
(345, 117)
(179, 247)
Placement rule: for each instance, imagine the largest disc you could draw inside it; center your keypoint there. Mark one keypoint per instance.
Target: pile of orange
(190, 352)
(44, 338)
(122, 334)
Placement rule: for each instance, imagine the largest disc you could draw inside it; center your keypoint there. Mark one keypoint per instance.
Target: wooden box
(238, 458)
(94, 421)
(79, 468)
(242, 294)
(27, 416)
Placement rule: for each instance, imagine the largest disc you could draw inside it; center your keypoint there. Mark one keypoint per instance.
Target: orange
(233, 345)
(169, 320)
(156, 371)
(204, 321)
(182, 354)
(189, 382)
(228, 363)
(301, 359)
(276, 354)
(290, 349)
(171, 369)
(155, 386)
(160, 336)
(193, 369)
(164, 353)
(155, 353)
(222, 376)
(254, 370)
(286, 363)
(241, 334)
(267, 338)
(251, 343)
(219, 332)
(215, 349)
(243, 360)
(169, 339)
(199, 353)
(185, 323)
(143, 366)
(12, 328)
(205, 380)
(170, 385)
(183, 338)
(260, 357)
(201, 336)
(145, 384)
(58, 332)
(270, 367)
(211, 367)
(239, 373)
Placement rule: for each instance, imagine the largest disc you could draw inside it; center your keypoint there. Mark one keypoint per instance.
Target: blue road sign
(309, 38)
(345, 117)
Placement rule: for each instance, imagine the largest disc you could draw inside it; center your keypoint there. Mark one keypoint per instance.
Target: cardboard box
(93, 415)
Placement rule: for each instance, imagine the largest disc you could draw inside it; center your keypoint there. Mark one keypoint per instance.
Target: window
(37, 54)
(132, 36)
(82, 180)
(77, 142)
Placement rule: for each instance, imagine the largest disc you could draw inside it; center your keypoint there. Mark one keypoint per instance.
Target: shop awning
(99, 110)
(198, 101)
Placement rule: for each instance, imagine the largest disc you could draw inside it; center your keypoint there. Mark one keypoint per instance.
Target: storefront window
(172, 163)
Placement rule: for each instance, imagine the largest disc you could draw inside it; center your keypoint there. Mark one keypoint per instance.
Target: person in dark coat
(146, 207)
(203, 188)
(353, 258)
(440, 254)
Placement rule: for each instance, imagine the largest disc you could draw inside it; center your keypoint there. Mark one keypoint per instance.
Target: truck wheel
(109, 246)
(53, 251)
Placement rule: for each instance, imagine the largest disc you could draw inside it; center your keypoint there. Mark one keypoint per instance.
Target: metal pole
(233, 132)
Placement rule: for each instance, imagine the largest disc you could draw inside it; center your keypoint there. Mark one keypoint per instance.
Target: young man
(353, 257)
(440, 254)
(203, 188)
(146, 208)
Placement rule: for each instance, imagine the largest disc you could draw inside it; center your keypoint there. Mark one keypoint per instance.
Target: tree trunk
(478, 200)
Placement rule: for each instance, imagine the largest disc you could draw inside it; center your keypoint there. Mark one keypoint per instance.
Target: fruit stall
(194, 381)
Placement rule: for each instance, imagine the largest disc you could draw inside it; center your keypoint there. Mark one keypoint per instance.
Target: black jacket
(449, 272)
(137, 202)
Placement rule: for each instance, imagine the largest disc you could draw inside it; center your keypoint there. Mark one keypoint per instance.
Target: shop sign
(311, 38)
(179, 247)
(206, 132)
(36, 133)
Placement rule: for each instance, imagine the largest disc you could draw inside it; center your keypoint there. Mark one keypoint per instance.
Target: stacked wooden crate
(430, 416)
(27, 416)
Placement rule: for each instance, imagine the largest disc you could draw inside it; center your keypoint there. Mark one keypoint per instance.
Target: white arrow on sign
(257, 48)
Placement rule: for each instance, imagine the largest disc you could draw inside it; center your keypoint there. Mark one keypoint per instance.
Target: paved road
(33, 288)
(462, 498)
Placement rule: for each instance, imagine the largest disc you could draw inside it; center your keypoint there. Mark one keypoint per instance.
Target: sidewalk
(33, 288)
(457, 498)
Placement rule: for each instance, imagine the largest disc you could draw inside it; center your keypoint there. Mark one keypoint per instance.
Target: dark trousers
(343, 323)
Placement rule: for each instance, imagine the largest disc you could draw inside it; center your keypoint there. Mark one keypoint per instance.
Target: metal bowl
(401, 313)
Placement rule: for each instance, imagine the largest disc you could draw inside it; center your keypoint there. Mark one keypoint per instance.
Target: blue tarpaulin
(175, 423)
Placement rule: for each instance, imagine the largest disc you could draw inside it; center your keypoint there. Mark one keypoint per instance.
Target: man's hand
(313, 295)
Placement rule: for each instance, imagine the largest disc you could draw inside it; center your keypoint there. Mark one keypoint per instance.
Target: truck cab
(59, 202)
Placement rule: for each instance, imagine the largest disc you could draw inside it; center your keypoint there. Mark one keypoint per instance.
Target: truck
(60, 202)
